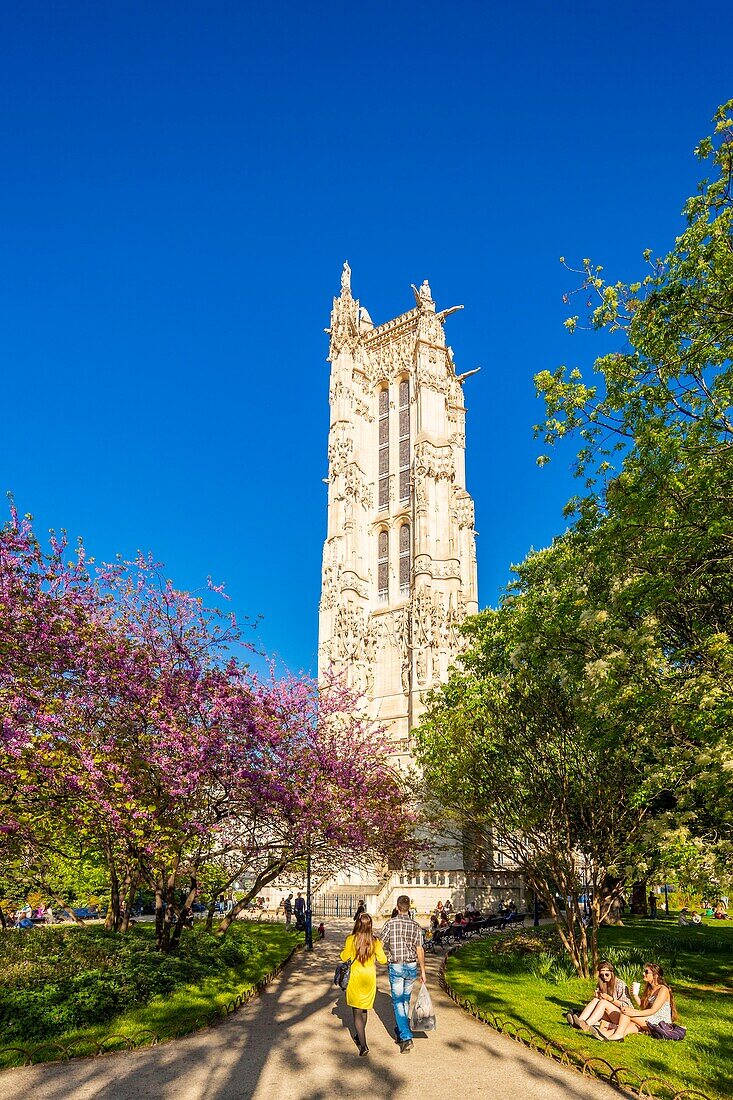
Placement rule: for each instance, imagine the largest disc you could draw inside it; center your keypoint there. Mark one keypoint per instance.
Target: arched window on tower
(383, 449)
(383, 566)
(405, 559)
(404, 440)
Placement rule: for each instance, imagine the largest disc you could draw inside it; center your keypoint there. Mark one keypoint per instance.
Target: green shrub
(59, 979)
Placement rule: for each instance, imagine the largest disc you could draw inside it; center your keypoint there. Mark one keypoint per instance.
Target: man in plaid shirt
(402, 938)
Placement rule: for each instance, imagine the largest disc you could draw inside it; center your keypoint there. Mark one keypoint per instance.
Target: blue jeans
(401, 980)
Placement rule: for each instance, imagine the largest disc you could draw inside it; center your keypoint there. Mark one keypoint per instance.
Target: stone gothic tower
(399, 560)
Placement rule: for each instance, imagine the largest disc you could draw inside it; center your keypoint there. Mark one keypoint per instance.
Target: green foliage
(61, 979)
(660, 417)
(589, 731)
(699, 963)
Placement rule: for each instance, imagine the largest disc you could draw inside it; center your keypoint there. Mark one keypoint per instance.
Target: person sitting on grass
(657, 1006)
(610, 996)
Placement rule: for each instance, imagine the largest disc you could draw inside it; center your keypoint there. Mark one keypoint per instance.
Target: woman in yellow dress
(365, 951)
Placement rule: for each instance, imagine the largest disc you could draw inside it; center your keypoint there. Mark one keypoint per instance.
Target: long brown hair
(364, 938)
(609, 986)
(646, 993)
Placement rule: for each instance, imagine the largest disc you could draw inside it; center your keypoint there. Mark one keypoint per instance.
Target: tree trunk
(3, 921)
(112, 920)
(610, 909)
(262, 879)
(67, 909)
(570, 928)
(210, 913)
(159, 914)
(130, 891)
(170, 907)
(638, 898)
(184, 913)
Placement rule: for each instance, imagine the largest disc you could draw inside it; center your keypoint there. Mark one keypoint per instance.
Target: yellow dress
(362, 987)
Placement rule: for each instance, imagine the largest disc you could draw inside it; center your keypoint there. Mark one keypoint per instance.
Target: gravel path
(293, 1043)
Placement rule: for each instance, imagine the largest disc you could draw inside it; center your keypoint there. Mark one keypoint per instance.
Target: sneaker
(406, 1046)
(363, 1050)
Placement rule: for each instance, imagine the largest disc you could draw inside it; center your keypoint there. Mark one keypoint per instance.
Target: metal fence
(335, 905)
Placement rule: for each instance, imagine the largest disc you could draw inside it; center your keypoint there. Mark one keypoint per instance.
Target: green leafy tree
(656, 432)
(589, 730)
(545, 740)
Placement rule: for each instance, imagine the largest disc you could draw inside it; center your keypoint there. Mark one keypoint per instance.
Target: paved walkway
(293, 1043)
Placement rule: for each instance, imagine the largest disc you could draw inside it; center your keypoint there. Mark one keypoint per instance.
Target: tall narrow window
(405, 559)
(404, 440)
(383, 449)
(383, 566)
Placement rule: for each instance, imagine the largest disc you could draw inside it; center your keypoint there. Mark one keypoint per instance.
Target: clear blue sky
(180, 186)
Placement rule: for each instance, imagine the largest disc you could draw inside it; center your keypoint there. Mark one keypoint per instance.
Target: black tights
(360, 1019)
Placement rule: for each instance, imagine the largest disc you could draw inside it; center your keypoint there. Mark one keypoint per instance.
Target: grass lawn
(529, 984)
(67, 985)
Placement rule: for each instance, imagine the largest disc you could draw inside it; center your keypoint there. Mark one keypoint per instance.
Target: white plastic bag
(423, 1015)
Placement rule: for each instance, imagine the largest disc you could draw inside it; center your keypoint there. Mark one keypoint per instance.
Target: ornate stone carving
(439, 570)
(464, 509)
(330, 585)
(346, 281)
(444, 570)
(424, 297)
(355, 486)
(435, 462)
(344, 330)
(361, 408)
(340, 449)
(390, 360)
(454, 617)
(351, 583)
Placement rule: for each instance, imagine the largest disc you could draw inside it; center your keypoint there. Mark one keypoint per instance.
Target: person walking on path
(364, 951)
(288, 907)
(403, 941)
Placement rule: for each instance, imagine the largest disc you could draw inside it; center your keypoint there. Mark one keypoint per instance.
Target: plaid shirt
(401, 937)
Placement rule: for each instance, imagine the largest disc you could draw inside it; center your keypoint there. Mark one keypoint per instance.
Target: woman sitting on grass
(657, 1006)
(611, 995)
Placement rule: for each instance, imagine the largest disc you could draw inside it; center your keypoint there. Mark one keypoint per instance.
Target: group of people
(610, 1014)
(27, 915)
(443, 917)
(399, 946)
(613, 1012)
(691, 916)
(293, 908)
